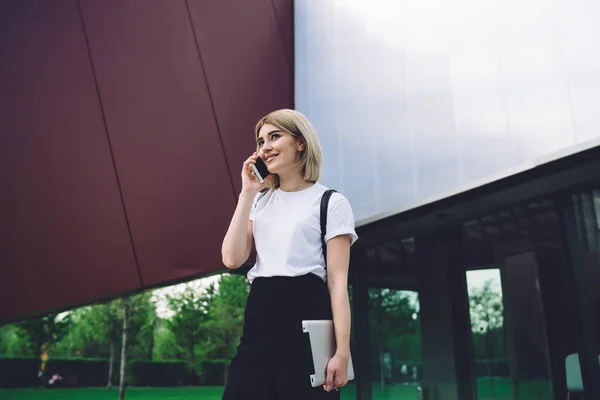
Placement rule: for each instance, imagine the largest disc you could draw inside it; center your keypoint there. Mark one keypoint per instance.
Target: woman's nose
(266, 146)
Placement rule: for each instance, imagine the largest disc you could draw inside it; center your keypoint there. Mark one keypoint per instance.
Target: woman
(288, 279)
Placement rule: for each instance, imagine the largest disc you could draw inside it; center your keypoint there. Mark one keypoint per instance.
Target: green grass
(183, 393)
(502, 391)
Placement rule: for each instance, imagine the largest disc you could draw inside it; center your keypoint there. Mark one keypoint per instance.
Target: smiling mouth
(271, 158)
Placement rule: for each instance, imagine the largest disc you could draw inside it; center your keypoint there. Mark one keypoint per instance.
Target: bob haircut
(300, 128)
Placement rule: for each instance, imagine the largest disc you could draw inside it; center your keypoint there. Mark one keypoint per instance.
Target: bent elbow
(230, 263)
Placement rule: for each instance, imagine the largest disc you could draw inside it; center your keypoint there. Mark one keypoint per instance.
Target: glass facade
(508, 305)
(416, 99)
(582, 217)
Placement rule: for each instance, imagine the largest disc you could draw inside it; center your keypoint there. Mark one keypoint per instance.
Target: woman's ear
(301, 145)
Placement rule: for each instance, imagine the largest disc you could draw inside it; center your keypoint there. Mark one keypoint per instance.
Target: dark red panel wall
(284, 10)
(245, 62)
(63, 236)
(167, 148)
(120, 140)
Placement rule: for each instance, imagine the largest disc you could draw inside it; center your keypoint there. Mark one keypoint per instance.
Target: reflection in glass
(486, 310)
(584, 231)
(412, 99)
(395, 355)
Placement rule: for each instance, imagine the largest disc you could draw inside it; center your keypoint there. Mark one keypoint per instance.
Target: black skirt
(271, 361)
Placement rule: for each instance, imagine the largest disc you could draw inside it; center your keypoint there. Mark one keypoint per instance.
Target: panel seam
(210, 98)
(110, 147)
(283, 44)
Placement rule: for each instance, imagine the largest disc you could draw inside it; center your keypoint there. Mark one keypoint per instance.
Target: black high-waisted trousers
(271, 361)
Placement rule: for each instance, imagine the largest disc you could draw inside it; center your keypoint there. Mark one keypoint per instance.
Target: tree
(142, 324)
(125, 303)
(165, 345)
(95, 332)
(104, 322)
(226, 317)
(45, 331)
(487, 317)
(188, 324)
(12, 344)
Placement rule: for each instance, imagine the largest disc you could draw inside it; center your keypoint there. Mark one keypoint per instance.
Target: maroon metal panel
(284, 9)
(169, 156)
(246, 66)
(63, 234)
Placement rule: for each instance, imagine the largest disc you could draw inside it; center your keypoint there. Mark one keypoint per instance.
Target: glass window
(583, 231)
(395, 348)
(486, 309)
(415, 99)
(521, 252)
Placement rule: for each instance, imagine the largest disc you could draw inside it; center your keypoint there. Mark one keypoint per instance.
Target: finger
(338, 382)
(329, 380)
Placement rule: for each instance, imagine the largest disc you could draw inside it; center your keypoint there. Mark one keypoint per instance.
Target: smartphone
(260, 170)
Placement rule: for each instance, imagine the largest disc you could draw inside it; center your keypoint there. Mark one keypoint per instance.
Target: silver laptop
(322, 347)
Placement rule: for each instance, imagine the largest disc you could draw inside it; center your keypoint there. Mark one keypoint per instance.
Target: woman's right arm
(239, 240)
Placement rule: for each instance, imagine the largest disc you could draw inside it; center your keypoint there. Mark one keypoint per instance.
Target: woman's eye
(260, 144)
(275, 136)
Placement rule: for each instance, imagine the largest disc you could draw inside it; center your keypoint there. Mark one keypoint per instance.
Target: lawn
(529, 390)
(184, 393)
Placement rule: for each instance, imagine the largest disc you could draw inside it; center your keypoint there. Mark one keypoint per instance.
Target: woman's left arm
(338, 260)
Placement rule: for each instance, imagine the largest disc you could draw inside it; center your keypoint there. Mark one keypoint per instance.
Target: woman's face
(279, 149)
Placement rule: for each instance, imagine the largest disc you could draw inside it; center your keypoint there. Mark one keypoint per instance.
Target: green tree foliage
(142, 324)
(226, 317)
(165, 343)
(189, 321)
(44, 331)
(486, 310)
(12, 344)
(204, 324)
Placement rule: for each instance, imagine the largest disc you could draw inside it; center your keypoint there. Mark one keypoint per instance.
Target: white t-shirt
(287, 231)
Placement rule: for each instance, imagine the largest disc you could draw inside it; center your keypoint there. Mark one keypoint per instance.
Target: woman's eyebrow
(270, 133)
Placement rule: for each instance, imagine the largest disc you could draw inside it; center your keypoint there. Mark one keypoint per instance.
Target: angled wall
(123, 126)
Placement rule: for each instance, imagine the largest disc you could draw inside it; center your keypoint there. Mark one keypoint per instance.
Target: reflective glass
(413, 99)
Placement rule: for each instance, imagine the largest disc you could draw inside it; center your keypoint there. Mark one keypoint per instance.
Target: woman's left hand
(337, 373)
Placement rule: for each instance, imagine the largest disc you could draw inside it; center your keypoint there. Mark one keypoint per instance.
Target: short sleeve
(254, 203)
(259, 202)
(340, 219)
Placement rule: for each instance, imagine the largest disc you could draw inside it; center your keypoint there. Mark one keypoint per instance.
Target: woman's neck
(293, 183)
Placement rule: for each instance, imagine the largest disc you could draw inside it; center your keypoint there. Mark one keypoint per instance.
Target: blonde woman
(291, 280)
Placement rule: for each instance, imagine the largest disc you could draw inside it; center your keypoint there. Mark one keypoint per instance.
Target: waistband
(290, 280)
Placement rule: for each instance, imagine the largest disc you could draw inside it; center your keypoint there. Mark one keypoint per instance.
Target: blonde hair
(300, 128)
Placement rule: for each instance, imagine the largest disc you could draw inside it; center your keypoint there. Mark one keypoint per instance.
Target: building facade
(465, 135)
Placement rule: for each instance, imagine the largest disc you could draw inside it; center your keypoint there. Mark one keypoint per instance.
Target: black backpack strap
(324, 206)
(262, 194)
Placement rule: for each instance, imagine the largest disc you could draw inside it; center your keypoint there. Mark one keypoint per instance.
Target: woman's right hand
(249, 181)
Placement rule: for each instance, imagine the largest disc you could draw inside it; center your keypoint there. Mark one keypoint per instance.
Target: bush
(213, 373)
(81, 372)
(159, 373)
(88, 372)
(19, 372)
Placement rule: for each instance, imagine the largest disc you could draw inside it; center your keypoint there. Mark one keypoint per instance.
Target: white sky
(159, 295)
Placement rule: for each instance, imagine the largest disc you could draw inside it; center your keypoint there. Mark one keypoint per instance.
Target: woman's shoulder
(336, 197)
